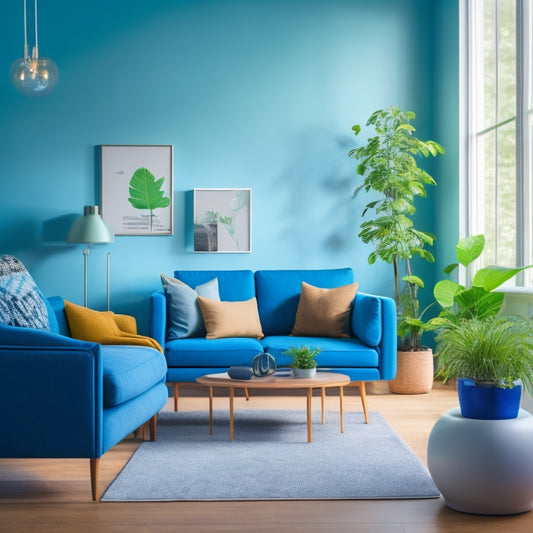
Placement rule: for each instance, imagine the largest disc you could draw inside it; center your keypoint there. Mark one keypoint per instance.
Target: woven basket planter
(414, 374)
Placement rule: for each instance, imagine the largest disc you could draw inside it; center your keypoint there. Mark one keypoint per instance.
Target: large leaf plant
(389, 167)
(479, 300)
(145, 192)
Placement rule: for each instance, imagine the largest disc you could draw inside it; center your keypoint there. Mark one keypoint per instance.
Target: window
(498, 108)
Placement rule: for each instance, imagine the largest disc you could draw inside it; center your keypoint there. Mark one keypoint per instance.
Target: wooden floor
(54, 495)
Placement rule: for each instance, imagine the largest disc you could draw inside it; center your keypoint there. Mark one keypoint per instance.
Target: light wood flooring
(54, 495)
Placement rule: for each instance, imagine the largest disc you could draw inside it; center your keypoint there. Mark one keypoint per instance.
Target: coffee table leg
(309, 397)
(210, 410)
(341, 395)
(323, 400)
(231, 395)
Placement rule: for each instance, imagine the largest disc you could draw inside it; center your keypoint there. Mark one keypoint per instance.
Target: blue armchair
(65, 398)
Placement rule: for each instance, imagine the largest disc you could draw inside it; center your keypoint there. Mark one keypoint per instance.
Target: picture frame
(222, 220)
(128, 173)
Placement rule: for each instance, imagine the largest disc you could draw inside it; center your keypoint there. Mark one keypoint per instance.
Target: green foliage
(303, 357)
(478, 301)
(145, 192)
(388, 165)
(411, 325)
(493, 349)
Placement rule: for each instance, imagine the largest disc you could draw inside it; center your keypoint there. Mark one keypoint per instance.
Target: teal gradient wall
(251, 93)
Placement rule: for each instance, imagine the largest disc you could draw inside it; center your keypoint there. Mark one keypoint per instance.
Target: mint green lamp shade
(90, 228)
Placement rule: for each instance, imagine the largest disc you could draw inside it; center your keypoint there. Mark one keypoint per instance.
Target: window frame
(471, 220)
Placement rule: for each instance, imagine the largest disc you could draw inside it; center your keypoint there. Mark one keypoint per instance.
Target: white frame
(118, 164)
(472, 213)
(210, 234)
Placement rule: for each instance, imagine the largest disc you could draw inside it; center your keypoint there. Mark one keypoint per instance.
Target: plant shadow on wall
(388, 164)
(310, 198)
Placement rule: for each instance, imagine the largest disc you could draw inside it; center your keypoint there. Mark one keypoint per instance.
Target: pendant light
(33, 75)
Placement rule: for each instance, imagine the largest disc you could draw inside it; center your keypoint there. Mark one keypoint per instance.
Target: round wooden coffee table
(322, 380)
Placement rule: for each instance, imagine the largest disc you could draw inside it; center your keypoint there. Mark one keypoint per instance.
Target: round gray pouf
(483, 466)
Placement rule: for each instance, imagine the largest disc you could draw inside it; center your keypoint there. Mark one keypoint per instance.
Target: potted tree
(303, 361)
(388, 165)
(486, 352)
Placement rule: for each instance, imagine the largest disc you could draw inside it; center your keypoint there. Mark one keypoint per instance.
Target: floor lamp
(91, 229)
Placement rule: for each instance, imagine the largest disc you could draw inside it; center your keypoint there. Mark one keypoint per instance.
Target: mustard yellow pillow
(105, 327)
(323, 312)
(90, 325)
(230, 319)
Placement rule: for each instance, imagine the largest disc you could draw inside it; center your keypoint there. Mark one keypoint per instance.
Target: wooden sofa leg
(362, 391)
(246, 393)
(153, 427)
(176, 391)
(95, 472)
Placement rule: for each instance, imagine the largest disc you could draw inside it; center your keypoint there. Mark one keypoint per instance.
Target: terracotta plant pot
(415, 372)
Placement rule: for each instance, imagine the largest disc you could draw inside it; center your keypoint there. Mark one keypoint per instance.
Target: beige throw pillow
(324, 312)
(230, 319)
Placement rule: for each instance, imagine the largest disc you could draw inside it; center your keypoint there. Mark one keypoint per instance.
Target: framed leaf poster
(137, 189)
(222, 220)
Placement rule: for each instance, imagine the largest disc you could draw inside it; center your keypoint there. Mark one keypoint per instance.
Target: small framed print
(137, 189)
(223, 220)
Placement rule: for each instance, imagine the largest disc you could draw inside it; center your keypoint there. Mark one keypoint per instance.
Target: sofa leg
(176, 391)
(153, 427)
(95, 472)
(362, 391)
(246, 393)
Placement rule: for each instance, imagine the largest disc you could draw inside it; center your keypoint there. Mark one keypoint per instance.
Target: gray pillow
(184, 318)
(21, 302)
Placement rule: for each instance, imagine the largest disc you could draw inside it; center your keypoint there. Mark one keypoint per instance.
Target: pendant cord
(36, 36)
(25, 32)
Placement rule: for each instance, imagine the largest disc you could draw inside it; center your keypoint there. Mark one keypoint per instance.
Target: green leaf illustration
(145, 192)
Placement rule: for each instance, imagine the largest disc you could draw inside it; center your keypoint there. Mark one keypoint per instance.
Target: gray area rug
(270, 459)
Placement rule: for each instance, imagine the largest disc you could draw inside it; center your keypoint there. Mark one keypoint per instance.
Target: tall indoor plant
(389, 167)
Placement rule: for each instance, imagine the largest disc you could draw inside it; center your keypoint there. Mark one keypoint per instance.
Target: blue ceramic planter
(488, 402)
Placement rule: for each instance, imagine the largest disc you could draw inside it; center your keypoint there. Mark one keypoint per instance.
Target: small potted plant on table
(304, 361)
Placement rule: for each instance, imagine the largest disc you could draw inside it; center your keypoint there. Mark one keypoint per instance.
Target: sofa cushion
(233, 285)
(102, 327)
(21, 302)
(184, 316)
(230, 319)
(335, 353)
(278, 293)
(367, 318)
(212, 353)
(324, 312)
(130, 371)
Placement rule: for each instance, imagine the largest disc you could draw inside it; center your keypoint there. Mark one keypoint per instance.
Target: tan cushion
(324, 312)
(104, 327)
(230, 319)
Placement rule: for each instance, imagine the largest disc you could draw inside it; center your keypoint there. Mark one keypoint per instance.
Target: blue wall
(251, 93)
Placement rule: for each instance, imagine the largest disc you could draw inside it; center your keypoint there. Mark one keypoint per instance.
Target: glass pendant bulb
(33, 75)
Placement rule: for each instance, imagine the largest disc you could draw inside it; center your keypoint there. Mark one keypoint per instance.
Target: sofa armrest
(374, 322)
(158, 317)
(51, 395)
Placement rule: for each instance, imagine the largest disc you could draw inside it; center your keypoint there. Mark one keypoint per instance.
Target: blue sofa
(367, 354)
(65, 398)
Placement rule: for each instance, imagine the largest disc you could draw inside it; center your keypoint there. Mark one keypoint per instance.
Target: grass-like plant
(303, 357)
(490, 349)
